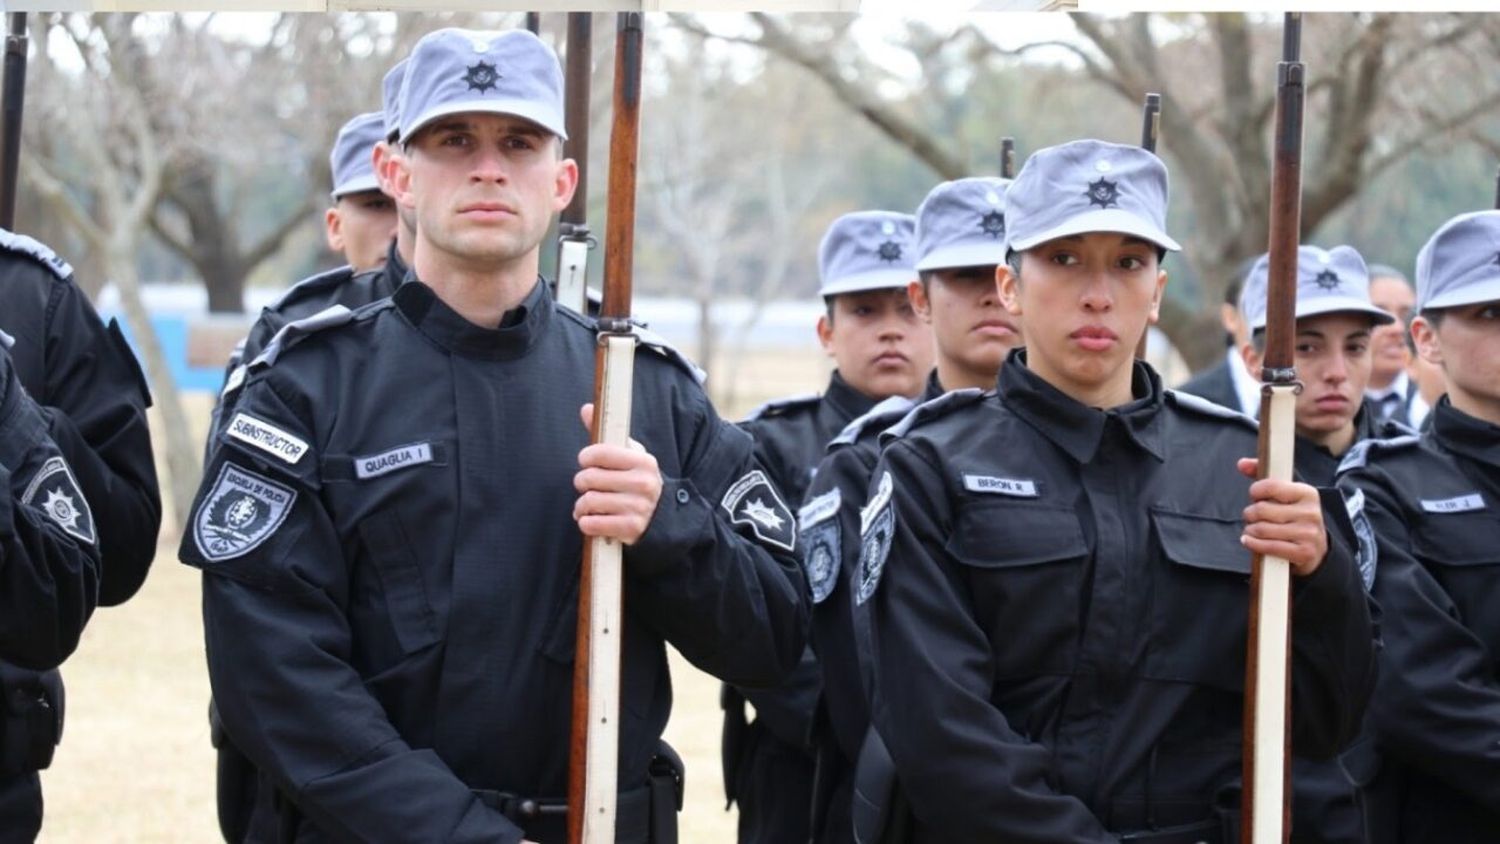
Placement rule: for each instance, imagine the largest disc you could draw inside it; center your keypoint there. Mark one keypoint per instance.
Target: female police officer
(1056, 573)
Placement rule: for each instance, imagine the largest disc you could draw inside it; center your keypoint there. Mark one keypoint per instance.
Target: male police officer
(1228, 383)
(960, 241)
(390, 598)
(1391, 389)
(93, 398)
(49, 585)
(361, 223)
(882, 350)
(1432, 503)
(1056, 572)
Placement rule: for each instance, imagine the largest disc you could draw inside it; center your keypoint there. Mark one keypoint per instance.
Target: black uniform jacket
(790, 438)
(391, 564)
(1056, 598)
(94, 397)
(49, 558)
(1433, 510)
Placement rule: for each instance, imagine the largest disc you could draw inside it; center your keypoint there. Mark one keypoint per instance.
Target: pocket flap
(1202, 542)
(994, 535)
(1458, 539)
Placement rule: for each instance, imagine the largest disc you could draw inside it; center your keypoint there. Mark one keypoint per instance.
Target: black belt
(1203, 832)
(539, 816)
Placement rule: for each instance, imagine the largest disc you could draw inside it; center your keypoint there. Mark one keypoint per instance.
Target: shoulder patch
(752, 501)
(61, 499)
(242, 511)
(12, 242)
(312, 284)
(1367, 555)
(928, 410)
(1204, 407)
(821, 543)
(778, 407)
(1359, 455)
(877, 526)
(295, 330)
(888, 412)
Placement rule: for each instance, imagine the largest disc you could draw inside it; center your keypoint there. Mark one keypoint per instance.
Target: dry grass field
(135, 764)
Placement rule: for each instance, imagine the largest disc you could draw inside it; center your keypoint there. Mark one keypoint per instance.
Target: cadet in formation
(390, 599)
(960, 240)
(1054, 574)
(1430, 507)
(92, 398)
(880, 349)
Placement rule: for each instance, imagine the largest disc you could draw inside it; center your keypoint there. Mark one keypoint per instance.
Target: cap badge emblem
(1327, 280)
(1103, 193)
(993, 224)
(890, 252)
(481, 76)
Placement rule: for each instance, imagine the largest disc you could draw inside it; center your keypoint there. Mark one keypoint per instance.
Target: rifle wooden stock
(1007, 157)
(594, 753)
(1497, 188)
(1150, 126)
(12, 101)
(1265, 802)
(573, 238)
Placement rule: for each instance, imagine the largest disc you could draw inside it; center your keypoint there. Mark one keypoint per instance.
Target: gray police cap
(1328, 281)
(453, 71)
(390, 99)
(352, 160)
(1088, 186)
(1460, 265)
(962, 224)
(866, 250)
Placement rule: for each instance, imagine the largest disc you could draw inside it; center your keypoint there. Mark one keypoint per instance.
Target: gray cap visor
(874, 280)
(963, 255)
(1469, 293)
(1104, 220)
(1332, 305)
(542, 116)
(357, 185)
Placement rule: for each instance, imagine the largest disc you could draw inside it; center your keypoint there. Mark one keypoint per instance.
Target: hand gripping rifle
(1264, 802)
(594, 753)
(11, 102)
(573, 238)
(1007, 157)
(1150, 131)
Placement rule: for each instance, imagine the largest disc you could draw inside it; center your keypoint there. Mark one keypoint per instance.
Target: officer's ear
(1424, 333)
(825, 327)
(916, 292)
(1251, 356)
(1008, 282)
(565, 183)
(333, 228)
(1161, 289)
(401, 179)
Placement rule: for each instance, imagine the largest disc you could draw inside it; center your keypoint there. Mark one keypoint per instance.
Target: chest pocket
(1462, 552)
(399, 506)
(1026, 568)
(1200, 600)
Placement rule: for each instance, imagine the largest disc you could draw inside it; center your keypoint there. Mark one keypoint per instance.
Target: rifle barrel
(534, 22)
(12, 103)
(1151, 122)
(1497, 188)
(580, 68)
(624, 142)
(1007, 157)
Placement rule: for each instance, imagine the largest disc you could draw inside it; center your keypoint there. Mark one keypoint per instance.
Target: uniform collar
(933, 389)
(1075, 427)
(395, 268)
(848, 402)
(1462, 433)
(519, 329)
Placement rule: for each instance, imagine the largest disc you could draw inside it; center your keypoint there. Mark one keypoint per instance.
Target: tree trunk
(706, 350)
(180, 451)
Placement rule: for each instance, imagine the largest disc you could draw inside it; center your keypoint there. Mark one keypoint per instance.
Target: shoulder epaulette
(781, 406)
(1392, 428)
(12, 242)
(883, 415)
(1359, 454)
(657, 343)
(294, 331)
(312, 284)
(1204, 407)
(932, 409)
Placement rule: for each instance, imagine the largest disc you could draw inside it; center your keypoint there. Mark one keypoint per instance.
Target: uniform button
(682, 496)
